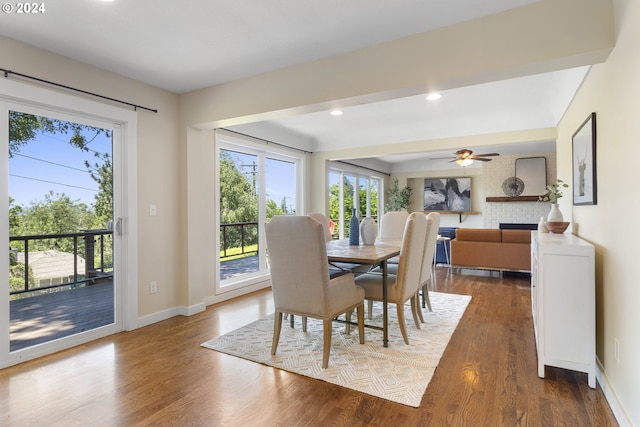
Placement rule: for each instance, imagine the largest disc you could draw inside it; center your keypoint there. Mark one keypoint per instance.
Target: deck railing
(83, 246)
(243, 235)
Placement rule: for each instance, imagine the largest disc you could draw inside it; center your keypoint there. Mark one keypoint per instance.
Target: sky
(50, 163)
(279, 177)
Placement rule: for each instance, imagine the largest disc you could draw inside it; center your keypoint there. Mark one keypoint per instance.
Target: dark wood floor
(160, 376)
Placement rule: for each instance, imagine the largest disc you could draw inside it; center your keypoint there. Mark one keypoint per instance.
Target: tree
(238, 202)
(56, 214)
(397, 199)
(103, 175)
(24, 127)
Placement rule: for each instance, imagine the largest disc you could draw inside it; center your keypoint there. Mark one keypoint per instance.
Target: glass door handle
(119, 226)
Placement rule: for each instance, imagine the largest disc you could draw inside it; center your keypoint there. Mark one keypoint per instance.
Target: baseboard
(169, 313)
(610, 395)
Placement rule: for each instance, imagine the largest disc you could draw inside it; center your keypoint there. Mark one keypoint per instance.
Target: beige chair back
(433, 224)
(322, 219)
(392, 225)
(298, 262)
(411, 254)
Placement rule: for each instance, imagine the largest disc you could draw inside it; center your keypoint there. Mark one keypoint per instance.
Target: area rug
(400, 373)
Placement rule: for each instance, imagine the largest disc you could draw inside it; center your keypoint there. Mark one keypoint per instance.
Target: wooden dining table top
(341, 251)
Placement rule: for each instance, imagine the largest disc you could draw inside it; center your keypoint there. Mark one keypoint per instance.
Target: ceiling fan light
(464, 162)
(434, 96)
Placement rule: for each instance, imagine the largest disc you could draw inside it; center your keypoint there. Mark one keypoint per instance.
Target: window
(254, 185)
(349, 190)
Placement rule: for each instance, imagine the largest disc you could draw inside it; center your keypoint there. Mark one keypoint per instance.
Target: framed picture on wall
(584, 163)
(447, 194)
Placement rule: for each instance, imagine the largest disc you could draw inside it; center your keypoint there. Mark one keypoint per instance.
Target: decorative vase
(354, 229)
(554, 214)
(368, 231)
(542, 226)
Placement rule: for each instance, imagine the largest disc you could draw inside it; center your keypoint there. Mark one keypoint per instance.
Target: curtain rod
(363, 167)
(266, 141)
(135, 107)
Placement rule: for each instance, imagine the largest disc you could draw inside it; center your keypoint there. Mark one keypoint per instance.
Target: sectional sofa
(492, 249)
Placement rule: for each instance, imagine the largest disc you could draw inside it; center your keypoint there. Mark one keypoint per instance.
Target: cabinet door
(568, 300)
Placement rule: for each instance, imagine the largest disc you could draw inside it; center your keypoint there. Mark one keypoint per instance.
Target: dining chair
(336, 268)
(300, 278)
(426, 274)
(392, 228)
(392, 225)
(403, 286)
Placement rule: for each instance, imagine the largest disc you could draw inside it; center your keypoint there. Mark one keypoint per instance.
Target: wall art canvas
(447, 194)
(584, 163)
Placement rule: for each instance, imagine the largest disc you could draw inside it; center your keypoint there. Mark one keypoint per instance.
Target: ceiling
(184, 46)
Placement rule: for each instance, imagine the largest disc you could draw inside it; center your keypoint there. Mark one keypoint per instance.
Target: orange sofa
(492, 249)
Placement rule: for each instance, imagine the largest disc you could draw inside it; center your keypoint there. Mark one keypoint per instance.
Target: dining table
(340, 251)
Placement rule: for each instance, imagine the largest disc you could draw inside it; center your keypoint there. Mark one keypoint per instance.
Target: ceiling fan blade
(486, 155)
(481, 159)
(440, 158)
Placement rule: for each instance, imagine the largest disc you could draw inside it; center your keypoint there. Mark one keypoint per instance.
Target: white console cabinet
(563, 302)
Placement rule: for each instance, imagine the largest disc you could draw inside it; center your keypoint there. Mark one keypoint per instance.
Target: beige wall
(612, 91)
(160, 182)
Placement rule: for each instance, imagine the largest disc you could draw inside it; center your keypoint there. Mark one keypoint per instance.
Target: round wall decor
(513, 186)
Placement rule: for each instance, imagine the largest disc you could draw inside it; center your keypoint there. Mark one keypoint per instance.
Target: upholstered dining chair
(426, 274)
(392, 228)
(337, 268)
(403, 286)
(392, 225)
(300, 278)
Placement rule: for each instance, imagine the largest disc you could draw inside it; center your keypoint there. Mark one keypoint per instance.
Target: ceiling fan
(465, 157)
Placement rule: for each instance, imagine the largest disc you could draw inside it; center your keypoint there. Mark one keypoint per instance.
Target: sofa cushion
(516, 236)
(479, 234)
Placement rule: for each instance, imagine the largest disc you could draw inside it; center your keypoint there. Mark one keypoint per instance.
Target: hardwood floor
(160, 376)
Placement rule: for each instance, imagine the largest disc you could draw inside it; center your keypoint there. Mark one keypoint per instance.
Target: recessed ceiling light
(434, 96)
(336, 112)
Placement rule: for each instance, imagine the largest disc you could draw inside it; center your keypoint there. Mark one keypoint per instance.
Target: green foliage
(397, 199)
(554, 192)
(102, 173)
(239, 202)
(348, 192)
(16, 278)
(24, 128)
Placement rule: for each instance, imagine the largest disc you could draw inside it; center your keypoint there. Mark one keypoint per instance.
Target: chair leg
(415, 306)
(360, 311)
(403, 328)
(425, 296)
(304, 323)
(326, 345)
(277, 325)
(418, 309)
(370, 309)
(347, 325)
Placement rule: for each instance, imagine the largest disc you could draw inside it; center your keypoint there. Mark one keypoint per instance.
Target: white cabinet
(563, 302)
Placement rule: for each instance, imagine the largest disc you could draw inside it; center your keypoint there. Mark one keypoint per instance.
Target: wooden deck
(42, 318)
(47, 317)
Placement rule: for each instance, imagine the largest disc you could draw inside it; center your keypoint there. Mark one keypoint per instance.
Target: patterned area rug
(399, 373)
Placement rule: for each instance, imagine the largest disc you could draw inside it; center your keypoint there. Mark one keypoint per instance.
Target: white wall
(495, 172)
(612, 91)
